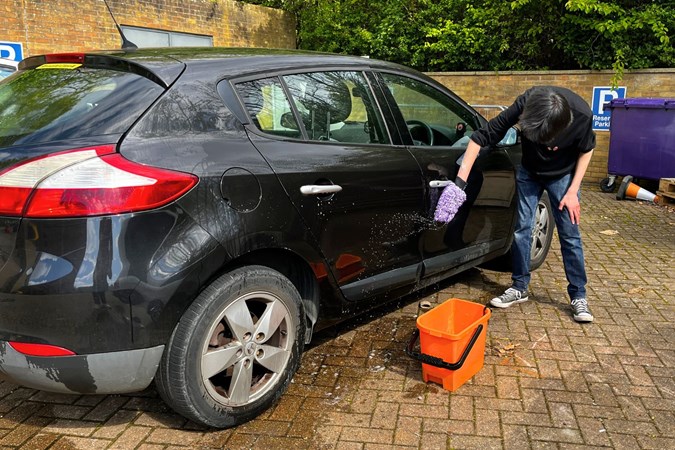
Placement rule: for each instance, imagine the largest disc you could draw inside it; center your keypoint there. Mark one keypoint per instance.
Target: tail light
(87, 182)
(40, 349)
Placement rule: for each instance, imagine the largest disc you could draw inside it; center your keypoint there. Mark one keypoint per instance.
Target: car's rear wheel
(235, 349)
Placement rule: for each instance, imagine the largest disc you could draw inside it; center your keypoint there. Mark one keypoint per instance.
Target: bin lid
(651, 103)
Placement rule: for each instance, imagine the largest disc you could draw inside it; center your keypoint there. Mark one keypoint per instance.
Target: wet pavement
(547, 382)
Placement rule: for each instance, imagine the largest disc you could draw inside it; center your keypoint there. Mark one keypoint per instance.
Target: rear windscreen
(52, 104)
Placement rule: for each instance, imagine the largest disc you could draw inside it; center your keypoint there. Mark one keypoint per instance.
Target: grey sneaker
(508, 298)
(581, 311)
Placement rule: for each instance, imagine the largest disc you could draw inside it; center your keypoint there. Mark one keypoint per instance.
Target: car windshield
(43, 105)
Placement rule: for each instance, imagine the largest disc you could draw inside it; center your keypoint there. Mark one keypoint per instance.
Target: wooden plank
(665, 198)
(667, 185)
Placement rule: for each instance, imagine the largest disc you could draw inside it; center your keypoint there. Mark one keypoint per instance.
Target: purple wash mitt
(451, 199)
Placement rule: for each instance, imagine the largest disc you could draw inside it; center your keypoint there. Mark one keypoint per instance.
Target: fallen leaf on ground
(503, 349)
(609, 232)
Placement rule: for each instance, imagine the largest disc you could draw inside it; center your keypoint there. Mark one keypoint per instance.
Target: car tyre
(235, 349)
(542, 236)
(542, 232)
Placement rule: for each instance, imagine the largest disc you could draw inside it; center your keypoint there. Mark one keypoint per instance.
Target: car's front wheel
(235, 349)
(542, 232)
(542, 236)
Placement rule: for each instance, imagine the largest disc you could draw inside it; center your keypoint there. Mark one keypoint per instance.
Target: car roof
(234, 62)
(166, 64)
(222, 62)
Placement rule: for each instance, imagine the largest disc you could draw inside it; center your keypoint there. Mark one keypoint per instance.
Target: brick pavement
(547, 383)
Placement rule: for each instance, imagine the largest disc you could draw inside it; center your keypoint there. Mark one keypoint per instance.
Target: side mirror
(512, 137)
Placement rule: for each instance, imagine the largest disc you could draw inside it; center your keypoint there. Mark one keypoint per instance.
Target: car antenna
(126, 43)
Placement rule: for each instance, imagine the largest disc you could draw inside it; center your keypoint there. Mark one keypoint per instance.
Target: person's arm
(493, 132)
(470, 155)
(571, 198)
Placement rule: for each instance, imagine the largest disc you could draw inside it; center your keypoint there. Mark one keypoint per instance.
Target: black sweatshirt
(538, 159)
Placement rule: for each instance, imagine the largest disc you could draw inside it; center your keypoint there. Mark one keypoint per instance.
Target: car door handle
(439, 183)
(320, 189)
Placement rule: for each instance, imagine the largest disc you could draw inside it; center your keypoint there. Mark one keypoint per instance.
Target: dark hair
(545, 115)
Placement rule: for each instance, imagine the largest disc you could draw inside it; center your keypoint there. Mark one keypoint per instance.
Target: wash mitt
(449, 202)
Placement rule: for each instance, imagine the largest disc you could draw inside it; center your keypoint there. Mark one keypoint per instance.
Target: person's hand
(571, 202)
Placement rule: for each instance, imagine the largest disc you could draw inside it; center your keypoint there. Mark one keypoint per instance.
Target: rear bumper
(100, 373)
(102, 284)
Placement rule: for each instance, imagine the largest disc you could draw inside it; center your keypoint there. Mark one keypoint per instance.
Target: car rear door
(437, 126)
(359, 195)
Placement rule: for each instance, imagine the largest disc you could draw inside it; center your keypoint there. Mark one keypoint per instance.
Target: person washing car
(557, 143)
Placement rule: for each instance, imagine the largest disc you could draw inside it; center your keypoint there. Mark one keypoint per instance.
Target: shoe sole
(583, 319)
(506, 305)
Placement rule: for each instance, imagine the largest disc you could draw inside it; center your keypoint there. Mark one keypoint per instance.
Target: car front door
(360, 196)
(437, 127)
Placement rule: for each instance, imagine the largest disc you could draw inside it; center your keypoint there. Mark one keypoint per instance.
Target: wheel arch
(236, 348)
(504, 263)
(294, 267)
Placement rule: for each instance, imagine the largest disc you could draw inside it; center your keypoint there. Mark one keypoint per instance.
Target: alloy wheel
(247, 349)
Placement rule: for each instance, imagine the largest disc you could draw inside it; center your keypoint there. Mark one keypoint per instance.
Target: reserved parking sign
(602, 95)
(11, 50)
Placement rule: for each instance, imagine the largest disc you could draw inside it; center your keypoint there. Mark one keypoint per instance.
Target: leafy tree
(447, 35)
(625, 33)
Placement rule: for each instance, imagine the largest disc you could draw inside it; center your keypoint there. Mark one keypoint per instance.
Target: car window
(333, 106)
(423, 105)
(43, 105)
(337, 106)
(269, 108)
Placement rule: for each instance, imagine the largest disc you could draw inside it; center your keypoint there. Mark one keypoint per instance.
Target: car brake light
(87, 182)
(77, 58)
(40, 349)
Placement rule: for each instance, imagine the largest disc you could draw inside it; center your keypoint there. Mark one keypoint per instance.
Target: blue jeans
(530, 189)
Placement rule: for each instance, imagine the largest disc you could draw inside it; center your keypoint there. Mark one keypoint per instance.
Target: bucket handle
(438, 362)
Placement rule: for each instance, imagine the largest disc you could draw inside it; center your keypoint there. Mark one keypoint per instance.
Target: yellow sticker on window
(65, 66)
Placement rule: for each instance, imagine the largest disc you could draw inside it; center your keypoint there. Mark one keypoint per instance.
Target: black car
(192, 216)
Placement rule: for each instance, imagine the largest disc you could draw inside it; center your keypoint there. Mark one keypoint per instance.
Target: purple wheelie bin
(642, 139)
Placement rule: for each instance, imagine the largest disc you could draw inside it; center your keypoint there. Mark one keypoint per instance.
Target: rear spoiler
(93, 61)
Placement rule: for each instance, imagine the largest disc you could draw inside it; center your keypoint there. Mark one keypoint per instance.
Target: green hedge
(460, 35)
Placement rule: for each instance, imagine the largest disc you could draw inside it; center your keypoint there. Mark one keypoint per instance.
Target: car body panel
(100, 278)
(102, 373)
(360, 242)
(483, 224)
(368, 225)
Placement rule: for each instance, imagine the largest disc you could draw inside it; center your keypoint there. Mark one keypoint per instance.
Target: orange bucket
(452, 342)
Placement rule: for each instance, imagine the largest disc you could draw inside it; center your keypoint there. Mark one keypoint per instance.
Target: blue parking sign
(11, 50)
(602, 95)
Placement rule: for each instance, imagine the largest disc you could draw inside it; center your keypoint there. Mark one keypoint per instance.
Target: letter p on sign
(11, 50)
(606, 96)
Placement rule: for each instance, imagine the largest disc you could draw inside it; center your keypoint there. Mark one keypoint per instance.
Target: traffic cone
(631, 190)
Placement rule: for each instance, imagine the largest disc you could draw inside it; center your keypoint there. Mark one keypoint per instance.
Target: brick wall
(503, 87)
(44, 26)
